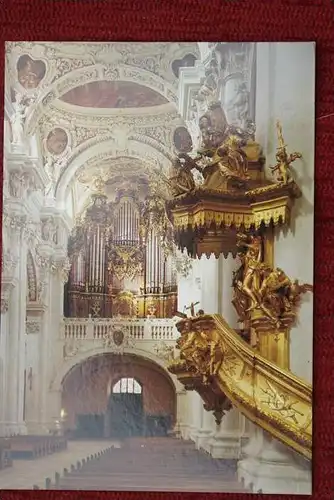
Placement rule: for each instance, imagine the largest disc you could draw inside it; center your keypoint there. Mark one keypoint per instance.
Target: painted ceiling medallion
(57, 141)
(182, 140)
(30, 73)
(106, 94)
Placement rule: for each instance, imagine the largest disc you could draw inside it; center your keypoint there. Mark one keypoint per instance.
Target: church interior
(157, 267)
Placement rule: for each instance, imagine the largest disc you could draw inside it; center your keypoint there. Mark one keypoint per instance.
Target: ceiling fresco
(57, 141)
(30, 72)
(106, 94)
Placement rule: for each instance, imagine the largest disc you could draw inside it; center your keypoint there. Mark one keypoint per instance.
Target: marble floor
(26, 473)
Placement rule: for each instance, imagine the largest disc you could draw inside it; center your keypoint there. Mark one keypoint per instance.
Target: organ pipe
(105, 231)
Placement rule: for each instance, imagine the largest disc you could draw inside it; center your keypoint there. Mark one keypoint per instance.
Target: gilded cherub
(203, 353)
(260, 286)
(181, 179)
(251, 263)
(284, 159)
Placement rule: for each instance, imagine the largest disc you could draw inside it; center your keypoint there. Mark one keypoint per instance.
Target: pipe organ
(118, 263)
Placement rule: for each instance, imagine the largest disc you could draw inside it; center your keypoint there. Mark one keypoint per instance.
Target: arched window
(127, 386)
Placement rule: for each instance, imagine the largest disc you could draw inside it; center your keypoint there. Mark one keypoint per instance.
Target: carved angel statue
(284, 160)
(259, 286)
(41, 291)
(154, 215)
(238, 105)
(201, 352)
(208, 91)
(221, 157)
(16, 182)
(48, 229)
(233, 161)
(17, 121)
(50, 168)
(165, 351)
(181, 179)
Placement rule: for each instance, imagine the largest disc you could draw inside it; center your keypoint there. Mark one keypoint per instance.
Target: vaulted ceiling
(94, 103)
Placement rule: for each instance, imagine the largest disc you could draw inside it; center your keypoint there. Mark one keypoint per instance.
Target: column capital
(24, 174)
(7, 286)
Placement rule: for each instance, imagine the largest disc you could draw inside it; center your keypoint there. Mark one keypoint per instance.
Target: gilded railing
(222, 367)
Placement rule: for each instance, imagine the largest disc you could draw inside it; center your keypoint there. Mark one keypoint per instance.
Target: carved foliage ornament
(32, 327)
(183, 264)
(125, 262)
(117, 338)
(4, 305)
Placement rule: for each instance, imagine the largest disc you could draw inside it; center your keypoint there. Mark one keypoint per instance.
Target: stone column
(270, 467)
(16, 344)
(181, 412)
(195, 407)
(246, 427)
(209, 274)
(237, 73)
(225, 442)
(38, 329)
(185, 424)
(209, 284)
(227, 267)
(53, 401)
(52, 347)
(206, 431)
(4, 364)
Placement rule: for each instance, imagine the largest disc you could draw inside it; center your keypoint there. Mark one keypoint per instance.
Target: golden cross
(192, 308)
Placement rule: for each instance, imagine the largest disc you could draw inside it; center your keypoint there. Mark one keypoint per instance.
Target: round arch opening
(118, 396)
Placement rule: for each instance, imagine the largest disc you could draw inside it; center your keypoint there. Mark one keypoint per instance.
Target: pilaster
(38, 329)
(15, 342)
(205, 433)
(270, 467)
(226, 441)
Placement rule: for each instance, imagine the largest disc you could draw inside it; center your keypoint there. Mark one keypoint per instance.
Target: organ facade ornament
(119, 265)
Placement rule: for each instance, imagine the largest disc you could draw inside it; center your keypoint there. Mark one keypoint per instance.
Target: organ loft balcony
(156, 336)
(122, 285)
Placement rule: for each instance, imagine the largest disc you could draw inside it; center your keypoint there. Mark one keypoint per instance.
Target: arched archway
(93, 409)
(139, 148)
(125, 414)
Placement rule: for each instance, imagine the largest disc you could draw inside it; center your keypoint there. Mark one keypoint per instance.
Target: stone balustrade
(154, 329)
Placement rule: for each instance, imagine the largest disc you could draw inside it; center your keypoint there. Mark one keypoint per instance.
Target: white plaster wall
(32, 355)
(286, 91)
(204, 48)
(189, 288)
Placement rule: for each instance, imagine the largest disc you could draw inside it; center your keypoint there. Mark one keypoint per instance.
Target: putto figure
(284, 160)
(221, 158)
(260, 286)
